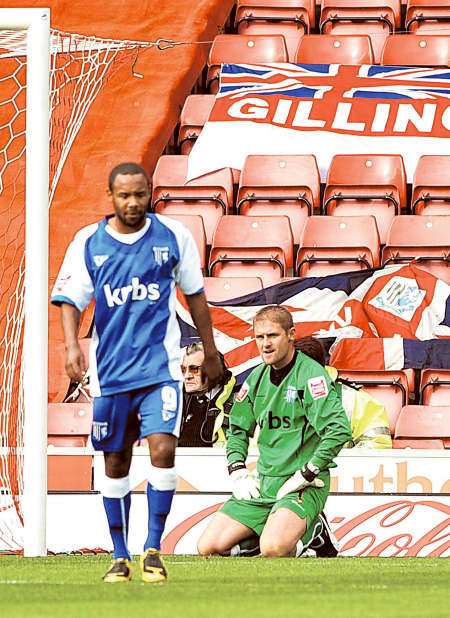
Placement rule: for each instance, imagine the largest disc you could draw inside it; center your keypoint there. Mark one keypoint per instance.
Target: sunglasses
(193, 369)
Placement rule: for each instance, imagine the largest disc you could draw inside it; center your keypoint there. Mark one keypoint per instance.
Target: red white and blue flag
(270, 109)
(389, 306)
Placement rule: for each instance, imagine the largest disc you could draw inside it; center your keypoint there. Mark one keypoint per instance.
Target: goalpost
(36, 24)
(48, 82)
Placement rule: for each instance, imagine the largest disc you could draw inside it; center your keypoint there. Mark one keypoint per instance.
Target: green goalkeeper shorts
(255, 512)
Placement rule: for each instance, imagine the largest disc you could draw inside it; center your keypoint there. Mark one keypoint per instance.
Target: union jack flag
(313, 81)
(404, 301)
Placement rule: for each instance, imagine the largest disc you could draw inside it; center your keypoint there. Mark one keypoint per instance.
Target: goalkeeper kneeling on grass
(302, 427)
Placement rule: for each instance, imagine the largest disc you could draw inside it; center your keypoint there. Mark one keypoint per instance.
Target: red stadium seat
(389, 387)
(366, 185)
(335, 49)
(419, 50)
(431, 187)
(209, 196)
(337, 244)
(435, 387)
(220, 289)
(195, 225)
(252, 246)
(422, 238)
(195, 113)
(241, 48)
(424, 423)
(375, 18)
(280, 185)
(290, 18)
(428, 16)
(69, 424)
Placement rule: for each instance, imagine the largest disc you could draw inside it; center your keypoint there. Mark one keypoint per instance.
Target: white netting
(80, 66)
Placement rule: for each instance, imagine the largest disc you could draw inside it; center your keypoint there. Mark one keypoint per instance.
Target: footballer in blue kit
(131, 263)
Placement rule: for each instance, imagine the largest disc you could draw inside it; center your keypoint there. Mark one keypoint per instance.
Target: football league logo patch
(242, 394)
(318, 387)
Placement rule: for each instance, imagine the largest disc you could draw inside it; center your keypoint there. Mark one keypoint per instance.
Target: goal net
(79, 68)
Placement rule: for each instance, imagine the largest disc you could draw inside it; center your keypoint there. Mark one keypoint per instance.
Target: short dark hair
(313, 348)
(126, 168)
(275, 313)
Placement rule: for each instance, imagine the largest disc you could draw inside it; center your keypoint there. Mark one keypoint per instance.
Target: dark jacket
(205, 415)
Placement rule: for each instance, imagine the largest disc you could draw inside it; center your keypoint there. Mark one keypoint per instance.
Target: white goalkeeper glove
(306, 477)
(245, 484)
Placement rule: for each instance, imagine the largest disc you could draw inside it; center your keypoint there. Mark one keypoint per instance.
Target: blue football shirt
(133, 279)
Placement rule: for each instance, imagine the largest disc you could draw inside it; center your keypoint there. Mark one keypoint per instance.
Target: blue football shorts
(119, 420)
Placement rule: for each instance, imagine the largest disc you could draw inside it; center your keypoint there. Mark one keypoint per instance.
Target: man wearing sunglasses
(205, 409)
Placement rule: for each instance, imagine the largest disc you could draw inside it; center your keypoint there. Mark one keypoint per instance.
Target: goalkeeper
(302, 427)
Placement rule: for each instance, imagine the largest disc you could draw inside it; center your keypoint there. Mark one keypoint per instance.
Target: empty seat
(435, 387)
(428, 16)
(252, 246)
(220, 289)
(69, 424)
(243, 49)
(290, 18)
(424, 423)
(335, 49)
(420, 50)
(195, 113)
(209, 196)
(280, 185)
(431, 186)
(422, 238)
(366, 185)
(375, 18)
(337, 244)
(195, 225)
(389, 387)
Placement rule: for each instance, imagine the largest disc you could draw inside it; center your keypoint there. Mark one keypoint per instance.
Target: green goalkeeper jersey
(301, 420)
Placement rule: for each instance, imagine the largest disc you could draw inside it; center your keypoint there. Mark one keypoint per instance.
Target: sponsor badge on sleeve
(318, 387)
(242, 394)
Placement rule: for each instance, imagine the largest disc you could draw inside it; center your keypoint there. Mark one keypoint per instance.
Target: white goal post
(36, 23)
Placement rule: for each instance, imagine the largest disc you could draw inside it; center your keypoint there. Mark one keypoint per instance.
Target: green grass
(71, 587)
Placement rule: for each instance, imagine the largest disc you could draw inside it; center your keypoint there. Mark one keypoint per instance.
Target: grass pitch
(71, 587)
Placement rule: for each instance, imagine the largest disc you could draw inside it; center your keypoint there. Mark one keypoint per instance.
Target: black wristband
(308, 473)
(237, 465)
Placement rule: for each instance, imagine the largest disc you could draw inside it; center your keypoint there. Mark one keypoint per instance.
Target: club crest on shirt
(242, 394)
(318, 387)
(291, 394)
(161, 255)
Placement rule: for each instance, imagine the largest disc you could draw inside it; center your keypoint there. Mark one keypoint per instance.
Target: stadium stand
(252, 246)
(421, 238)
(195, 113)
(427, 16)
(242, 48)
(210, 196)
(430, 187)
(337, 244)
(372, 17)
(333, 48)
(280, 185)
(366, 185)
(69, 424)
(422, 424)
(418, 50)
(290, 18)
(435, 387)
